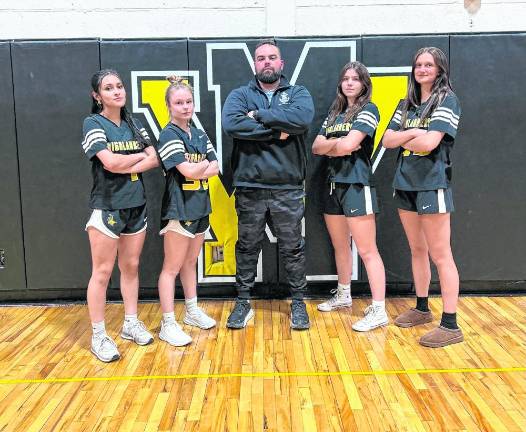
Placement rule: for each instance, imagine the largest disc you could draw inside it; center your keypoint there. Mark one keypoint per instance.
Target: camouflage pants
(283, 210)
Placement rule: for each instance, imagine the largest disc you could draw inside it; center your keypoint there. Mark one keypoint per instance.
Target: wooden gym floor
(266, 377)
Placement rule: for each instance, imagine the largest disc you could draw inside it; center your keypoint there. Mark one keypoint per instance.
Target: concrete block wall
(33, 19)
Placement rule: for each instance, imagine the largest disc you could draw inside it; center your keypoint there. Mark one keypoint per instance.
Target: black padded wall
(12, 276)
(44, 96)
(51, 82)
(489, 160)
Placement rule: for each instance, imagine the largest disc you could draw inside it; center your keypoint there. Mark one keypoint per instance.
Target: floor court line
(259, 375)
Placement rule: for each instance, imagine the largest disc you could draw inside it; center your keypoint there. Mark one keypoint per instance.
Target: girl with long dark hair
(424, 128)
(347, 138)
(119, 150)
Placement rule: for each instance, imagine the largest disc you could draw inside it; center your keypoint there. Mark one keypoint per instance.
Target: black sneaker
(299, 318)
(240, 315)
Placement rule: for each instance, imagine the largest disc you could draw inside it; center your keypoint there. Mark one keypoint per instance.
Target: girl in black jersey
(424, 128)
(119, 150)
(347, 138)
(189, 160)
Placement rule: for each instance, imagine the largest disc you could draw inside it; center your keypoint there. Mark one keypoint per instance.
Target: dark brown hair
(340, 104)
(96, 107)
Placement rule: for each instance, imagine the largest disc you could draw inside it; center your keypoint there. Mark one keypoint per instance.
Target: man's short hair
(269, 41)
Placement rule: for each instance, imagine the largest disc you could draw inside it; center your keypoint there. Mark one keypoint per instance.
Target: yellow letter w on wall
(389, 87)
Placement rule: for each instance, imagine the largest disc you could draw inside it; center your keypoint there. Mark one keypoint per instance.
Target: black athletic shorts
(350, 200)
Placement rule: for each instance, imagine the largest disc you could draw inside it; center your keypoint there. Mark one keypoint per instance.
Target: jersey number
(193, 185)
(408, 153)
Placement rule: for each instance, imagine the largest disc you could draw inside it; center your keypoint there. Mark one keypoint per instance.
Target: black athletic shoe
(240, 315)
(299, 319)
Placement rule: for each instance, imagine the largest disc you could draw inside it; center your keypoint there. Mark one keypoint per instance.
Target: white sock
(99, 329)
(169, 318)
(345, 288)
(191, 305)
(379, 304)
(130, 318)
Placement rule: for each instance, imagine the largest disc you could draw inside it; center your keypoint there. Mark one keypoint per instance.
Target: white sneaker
(104, 348)
(136, 331)
(375, 316)
(199, 318)
(174, 334)
(340, 299)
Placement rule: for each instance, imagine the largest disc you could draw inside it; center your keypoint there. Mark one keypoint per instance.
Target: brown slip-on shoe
(413, 317)
(441, 337)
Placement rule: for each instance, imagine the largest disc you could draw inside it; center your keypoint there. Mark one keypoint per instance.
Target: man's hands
(252, 114)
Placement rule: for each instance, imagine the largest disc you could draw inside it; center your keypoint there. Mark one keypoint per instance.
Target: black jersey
(356, 167)
(184, 199)
(418, 171)
(112, 191)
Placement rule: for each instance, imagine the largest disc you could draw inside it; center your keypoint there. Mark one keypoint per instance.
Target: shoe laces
(137, 327)
(169, 324)
(241, 306)
(104, 341)
(370, 313)
(198, 313)
(337, 296)
(298, 307)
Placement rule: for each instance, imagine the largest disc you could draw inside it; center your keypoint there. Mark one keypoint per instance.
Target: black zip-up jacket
(260, 159)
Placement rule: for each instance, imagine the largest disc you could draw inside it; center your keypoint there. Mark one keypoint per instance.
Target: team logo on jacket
(284, 98)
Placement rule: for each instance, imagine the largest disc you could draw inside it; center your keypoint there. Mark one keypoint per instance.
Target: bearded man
(268, 120)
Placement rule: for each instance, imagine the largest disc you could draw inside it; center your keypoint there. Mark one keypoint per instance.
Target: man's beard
(268, 78)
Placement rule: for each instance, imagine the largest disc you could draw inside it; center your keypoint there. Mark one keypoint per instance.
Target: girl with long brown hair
(347, 138)
(424, 129)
